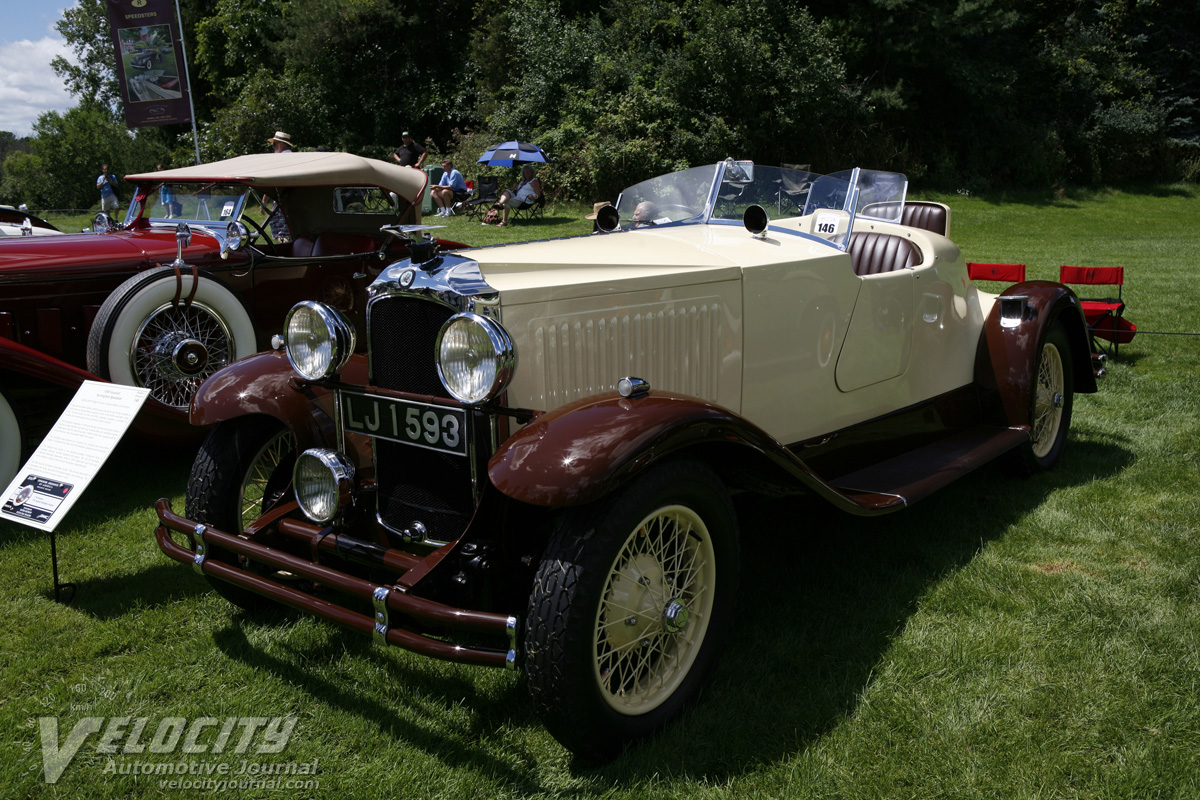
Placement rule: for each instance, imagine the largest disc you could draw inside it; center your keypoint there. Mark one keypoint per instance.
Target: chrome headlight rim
(237, 236)
(323, 484)
(335, 330)
(502, 359)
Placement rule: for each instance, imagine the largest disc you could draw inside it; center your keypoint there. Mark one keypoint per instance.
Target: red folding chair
(1105, 316)
(1012, 273)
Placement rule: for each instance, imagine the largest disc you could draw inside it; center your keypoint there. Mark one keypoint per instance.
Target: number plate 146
(439, 428)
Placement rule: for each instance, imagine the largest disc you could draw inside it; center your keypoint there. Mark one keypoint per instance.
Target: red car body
(53, 288)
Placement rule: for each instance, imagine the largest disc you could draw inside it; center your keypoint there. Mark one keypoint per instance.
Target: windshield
(668, 198)
(827, 204)
(195, 202)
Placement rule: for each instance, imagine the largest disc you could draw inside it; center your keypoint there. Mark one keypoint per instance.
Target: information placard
(67, 460)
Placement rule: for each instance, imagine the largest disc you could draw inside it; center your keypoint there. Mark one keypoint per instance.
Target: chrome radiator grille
(403, 333)
(415, 485)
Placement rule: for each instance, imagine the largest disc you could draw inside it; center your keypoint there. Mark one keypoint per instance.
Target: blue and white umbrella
(509, 154)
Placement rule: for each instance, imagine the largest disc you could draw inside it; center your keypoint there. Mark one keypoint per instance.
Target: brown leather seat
(876, 253)
(927, 216)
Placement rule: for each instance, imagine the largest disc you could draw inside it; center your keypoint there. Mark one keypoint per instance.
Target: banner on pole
(150, 62)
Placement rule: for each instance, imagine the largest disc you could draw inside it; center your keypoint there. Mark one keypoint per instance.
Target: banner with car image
(150, 62)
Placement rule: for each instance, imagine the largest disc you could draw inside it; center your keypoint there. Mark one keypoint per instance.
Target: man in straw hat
(281, 142)
(595, 213)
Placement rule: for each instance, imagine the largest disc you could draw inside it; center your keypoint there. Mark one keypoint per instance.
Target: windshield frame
(828, 205)
(227, 192)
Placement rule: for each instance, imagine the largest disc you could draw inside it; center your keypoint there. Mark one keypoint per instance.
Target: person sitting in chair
(452, 189)
(528, 189)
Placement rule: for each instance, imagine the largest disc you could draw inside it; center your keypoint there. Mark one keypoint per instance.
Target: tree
(67, 151)
(86, 29)
(643, 86)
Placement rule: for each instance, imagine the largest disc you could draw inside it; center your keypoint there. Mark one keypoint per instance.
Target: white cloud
(29, 86)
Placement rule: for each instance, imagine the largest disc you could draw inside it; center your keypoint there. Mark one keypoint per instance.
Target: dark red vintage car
(124, 303)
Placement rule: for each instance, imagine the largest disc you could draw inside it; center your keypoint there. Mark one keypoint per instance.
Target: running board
(912, 476)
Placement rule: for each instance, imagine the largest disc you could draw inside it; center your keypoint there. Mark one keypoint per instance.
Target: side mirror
(608, 219)
(756, 220)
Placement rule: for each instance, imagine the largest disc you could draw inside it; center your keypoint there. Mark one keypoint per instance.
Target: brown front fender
(266, 384)
(582, 451)
(1008, 352)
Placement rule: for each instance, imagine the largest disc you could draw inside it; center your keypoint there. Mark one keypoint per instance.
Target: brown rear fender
(582, 451)
(266, 384)
(1004, 364)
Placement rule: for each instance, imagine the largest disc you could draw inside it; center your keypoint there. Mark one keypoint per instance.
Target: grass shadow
(444, 693)
(823, 595)
(116, 596)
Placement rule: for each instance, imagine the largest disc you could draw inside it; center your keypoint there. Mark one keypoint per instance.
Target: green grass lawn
(1007, 638)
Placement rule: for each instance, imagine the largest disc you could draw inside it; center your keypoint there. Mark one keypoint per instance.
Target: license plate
(441, 428)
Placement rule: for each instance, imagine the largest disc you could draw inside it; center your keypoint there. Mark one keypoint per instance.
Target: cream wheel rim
(654, 610)
(262, 467)
(1048, 401)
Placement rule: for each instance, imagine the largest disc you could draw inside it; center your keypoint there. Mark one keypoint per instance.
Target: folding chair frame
(1103, 315)
(530, 210)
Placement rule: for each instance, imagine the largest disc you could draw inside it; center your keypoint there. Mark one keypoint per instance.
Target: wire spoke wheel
(654, 610)
(258, 486)
(1049, 397)
(630, 606)
(147, 334)
(243, 467)
(176, 349)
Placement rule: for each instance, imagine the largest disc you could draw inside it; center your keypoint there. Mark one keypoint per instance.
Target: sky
(28, 41)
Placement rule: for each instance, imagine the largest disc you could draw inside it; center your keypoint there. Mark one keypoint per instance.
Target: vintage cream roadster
(532, 466)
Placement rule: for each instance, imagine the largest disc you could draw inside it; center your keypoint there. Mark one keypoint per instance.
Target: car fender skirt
(1008, 350)
(582, 451)
(266, 384)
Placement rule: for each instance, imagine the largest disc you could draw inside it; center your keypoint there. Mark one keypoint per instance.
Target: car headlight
(324, 482)
(476, 357)
(319, 340)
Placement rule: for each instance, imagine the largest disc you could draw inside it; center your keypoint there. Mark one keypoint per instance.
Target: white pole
(188, 80)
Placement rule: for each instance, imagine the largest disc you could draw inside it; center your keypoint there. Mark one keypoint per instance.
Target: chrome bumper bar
(386, 600)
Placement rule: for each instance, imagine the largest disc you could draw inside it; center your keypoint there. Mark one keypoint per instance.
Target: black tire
(141, 338)
(612, 576)
(243, 466)
(1052, 386)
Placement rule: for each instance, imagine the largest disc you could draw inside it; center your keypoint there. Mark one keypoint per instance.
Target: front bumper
(390, 602)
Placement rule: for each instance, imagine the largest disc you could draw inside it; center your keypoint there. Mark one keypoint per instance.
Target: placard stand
(60, 589)
(67, 460)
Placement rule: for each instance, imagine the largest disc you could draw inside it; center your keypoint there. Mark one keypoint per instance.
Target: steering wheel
(258, 229)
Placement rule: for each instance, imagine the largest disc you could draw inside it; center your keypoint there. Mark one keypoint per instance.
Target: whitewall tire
(145, 334)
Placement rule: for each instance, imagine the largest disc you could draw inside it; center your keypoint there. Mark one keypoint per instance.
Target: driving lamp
(324, 482)
(319, 340)
(236, 236)
(476, 357)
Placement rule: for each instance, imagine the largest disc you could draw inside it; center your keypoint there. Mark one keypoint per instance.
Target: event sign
(150, 62)
(71, 454)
